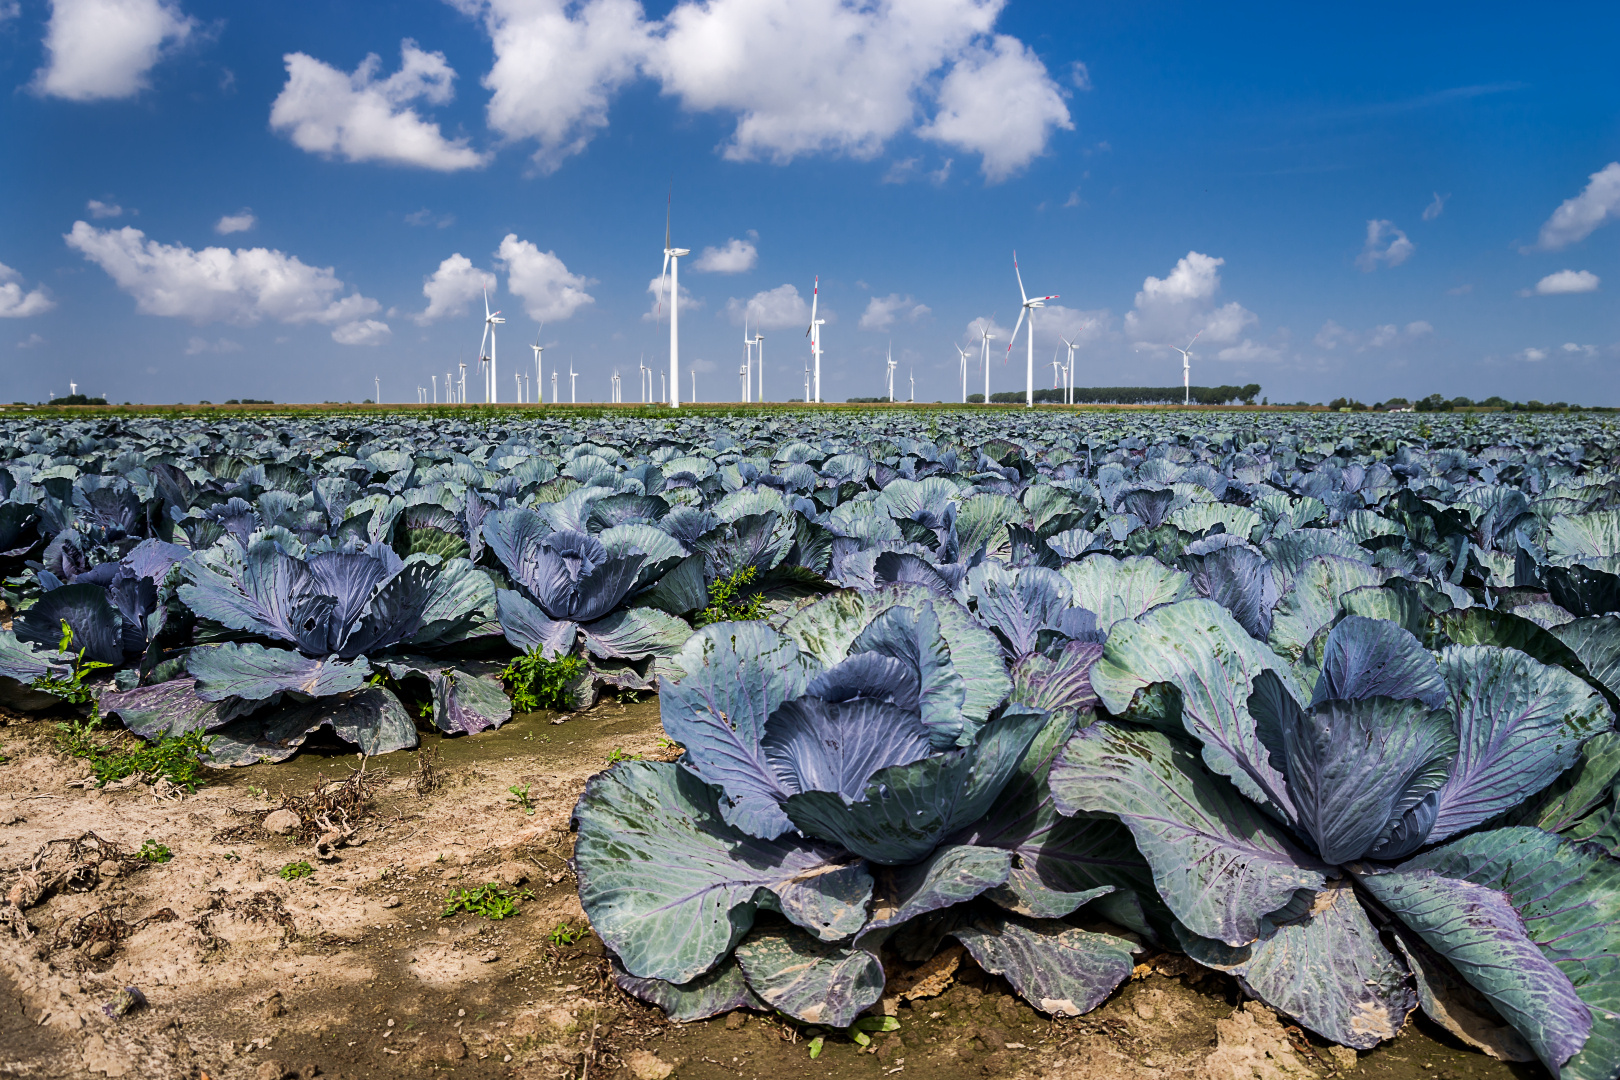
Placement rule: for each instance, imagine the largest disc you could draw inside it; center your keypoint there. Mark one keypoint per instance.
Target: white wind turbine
(449, 390)
(517, 377)
(1069, 369)
(891, 374)
(573, 376)
(378, 380)
(748, 364)
(742, 382)
(491, 321)
(759, 340)
(554, 386)
(984, 355)
(911, 373)
(1057, 369)
(672, 267)
(963, 354)
(1028, 309)
(1186, 370)
(615, 386)
(435, 380)
(539, 351)
(646, 380)
(814, 334)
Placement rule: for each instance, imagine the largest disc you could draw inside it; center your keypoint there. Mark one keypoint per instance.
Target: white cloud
(17, 304)
(1385, 336)
(658, 305)
(217, 284)
(735, 258)
(1251, 352)
(102, 49)
(781, 308)
(1385, 244)
(1575, 218)
(1001, 103)
(800, 76)
(1436, 207)
(1533, 355)
(99, 209)
(1080, 75)
(454, 285)
(362, 332)
(557, 66)
(1587, 351)
(548, 291)
(1080, 327)
(198, 345)
(1461, 290)
(1566, 281)
(1181, 304)
(32, 341)
(360, 117)
(882, 311)
(235, 223)
(425, 216)
(9, 9)
(972, 335)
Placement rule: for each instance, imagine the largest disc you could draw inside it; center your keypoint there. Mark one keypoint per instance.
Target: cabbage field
(1322, 702)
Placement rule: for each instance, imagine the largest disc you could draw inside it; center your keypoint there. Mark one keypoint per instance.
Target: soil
(352, 972)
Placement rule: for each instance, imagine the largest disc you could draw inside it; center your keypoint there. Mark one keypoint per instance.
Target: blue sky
(210, 200)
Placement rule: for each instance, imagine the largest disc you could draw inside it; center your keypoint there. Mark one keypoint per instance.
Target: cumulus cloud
(548, 291)
(1588, 351)
(217, 284)
(1071, 324)
(998, 101)
(1533, 355)
(101, 49)
(425, 216)
(362, 332)
(199, 345)
(99, 209)
(557, 67)
(781, 308)
(658, 302)
(800, 76)
(450, 288)
(1384, 244)
(735, 258)
(9, 9)
(30, 342)
(361, 117)
(1250, 351)
(1575, 218)
(1181, 304)
(1565, 281)
(15, 303)
(235, 223)
(883, 311)
(1436, 207)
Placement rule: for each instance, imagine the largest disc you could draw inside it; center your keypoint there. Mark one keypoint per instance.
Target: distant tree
(1460, 403)
(1433, 403)
(1496, 402)
(1250, 392)
(78, 399)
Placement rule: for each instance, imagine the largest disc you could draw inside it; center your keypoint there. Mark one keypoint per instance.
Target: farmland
(544, 744)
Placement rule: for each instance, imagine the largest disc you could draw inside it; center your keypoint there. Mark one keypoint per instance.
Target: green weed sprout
(492, 901)
(536, 683)
(565, 933)
(729, 600)
(154, 852)
(295, 870)
(520, 796)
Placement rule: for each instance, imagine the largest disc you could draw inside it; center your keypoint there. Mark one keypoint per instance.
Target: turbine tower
(672, 267)
(554, 386)
(814, 334)
(1028, 309)
(539, 351)
(911, 373)
(573, 384)
(491, 321)
(759, 340)
(1186, 370)
(378, 380)
(984, 356)
(1069, 368)
(464, 382)
(748, 364)
(891, 375)
(963, 354)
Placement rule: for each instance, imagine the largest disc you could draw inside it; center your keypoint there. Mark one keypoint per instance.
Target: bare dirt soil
(351, 971)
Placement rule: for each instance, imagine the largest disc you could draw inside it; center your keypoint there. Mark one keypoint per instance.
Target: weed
(858, 1031)
(295, 870)
(617, 755)
(535, 682)
(71, 687)
(730, 601)
(174, 758)
(154, 852)
(255, 791)
(520, 796)
(816, 1045)
(667, 743)
(492, 901)
(565, 933)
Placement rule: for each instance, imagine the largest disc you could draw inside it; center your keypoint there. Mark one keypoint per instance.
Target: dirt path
(352, 972)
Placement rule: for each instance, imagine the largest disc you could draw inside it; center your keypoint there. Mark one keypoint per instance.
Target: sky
(304, 201)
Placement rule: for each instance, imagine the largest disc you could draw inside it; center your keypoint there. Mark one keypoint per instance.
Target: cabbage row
(1327, 706)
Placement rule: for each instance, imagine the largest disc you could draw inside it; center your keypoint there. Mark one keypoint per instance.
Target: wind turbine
(539, 349)
(646, 381)
(672, 267)
(1186, 370)
(759, 339)
(693, 372)
(748, 364)
(573, 396)
(378, 380)
(491, 321)
(744, 386)
(807, 382)
(464, 382)
(963, 354)
(449, 390)
(814, 334)
(984, 356)
(911, 373)
(1028, 309)
(1069, 368)
(435, 380)
(1057, 369)
(517, 377)
(891, 375)
(615, 386)
(554, 386)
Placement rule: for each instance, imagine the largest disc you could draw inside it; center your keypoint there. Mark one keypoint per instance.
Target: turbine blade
(1021, 293)
(1014, 337)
